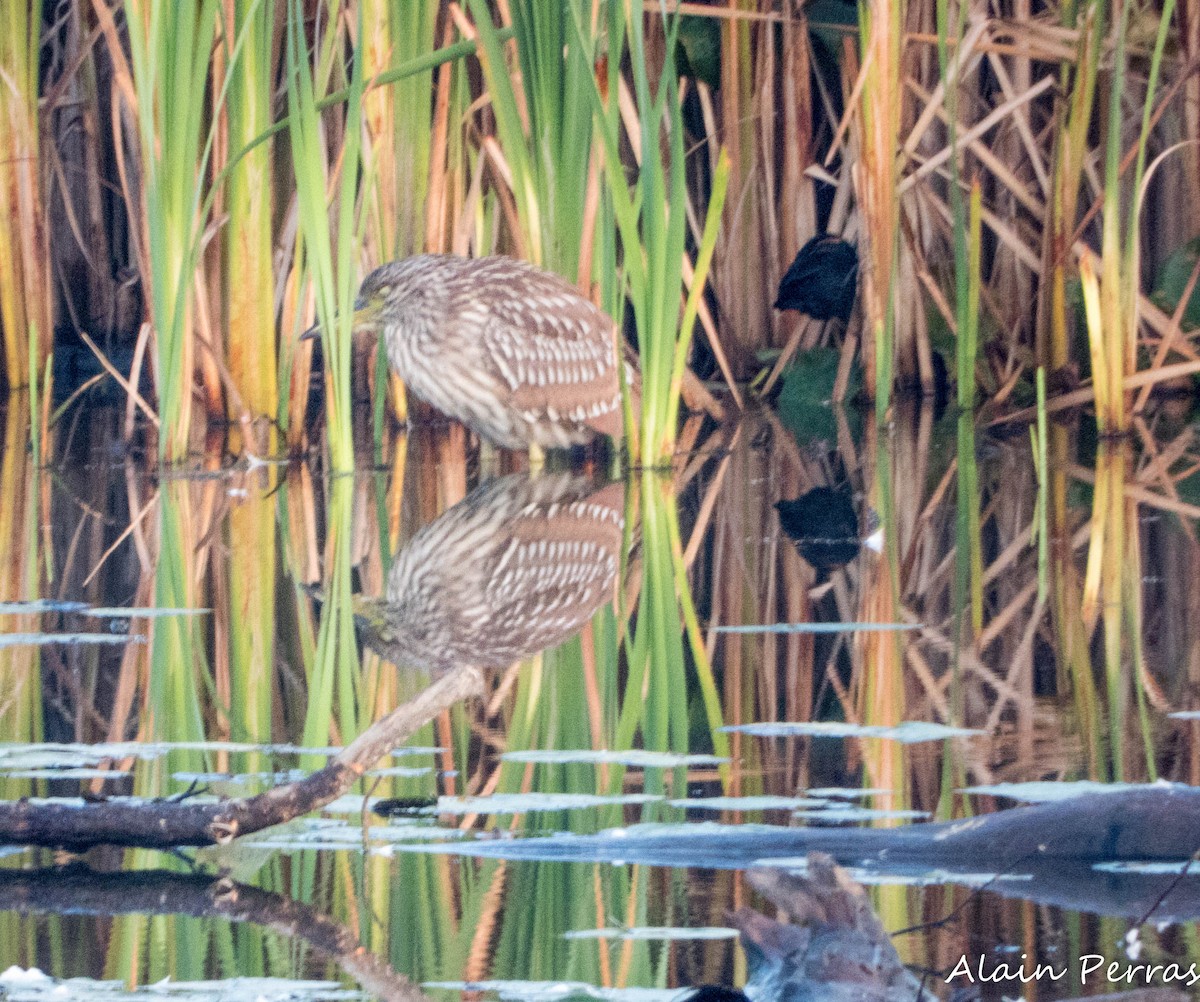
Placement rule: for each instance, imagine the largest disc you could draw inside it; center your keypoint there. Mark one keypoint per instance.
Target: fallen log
(171, 824)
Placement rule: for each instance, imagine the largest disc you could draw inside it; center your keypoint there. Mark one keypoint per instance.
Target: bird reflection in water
(833, 948)
(518, 566)
(824, 526)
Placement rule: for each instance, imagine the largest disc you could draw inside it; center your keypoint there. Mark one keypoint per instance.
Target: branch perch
(165, 824)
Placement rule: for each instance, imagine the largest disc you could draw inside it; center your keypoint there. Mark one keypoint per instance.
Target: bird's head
(370, 620)
(376, 299)
(372, 306)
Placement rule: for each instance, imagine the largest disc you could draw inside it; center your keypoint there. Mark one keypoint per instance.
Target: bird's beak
(360, 317)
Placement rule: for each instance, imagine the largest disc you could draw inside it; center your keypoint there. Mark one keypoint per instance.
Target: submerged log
(1046, 853)
(1151, 823)
(78, 890)
(170, 824)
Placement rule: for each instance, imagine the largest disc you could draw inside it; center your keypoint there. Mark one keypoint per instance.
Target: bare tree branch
(166, 824)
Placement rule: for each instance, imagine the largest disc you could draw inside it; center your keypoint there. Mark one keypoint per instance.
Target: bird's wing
(553, 349)
(559, 564)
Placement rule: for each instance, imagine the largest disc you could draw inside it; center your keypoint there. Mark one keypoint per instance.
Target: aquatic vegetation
(212, 178)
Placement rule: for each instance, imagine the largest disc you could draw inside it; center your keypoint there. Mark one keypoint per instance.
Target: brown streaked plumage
(518, 566)
(512, 351)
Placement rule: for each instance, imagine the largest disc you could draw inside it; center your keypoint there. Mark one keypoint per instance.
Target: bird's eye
(383, 292)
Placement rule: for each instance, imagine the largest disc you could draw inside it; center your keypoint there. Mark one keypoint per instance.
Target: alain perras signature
(1093, 968)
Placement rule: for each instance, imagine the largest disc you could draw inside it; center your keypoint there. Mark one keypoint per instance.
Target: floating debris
(909, 732)
(932, 877)
(553, 991)
(339, 835)
(525, 803)
(241, 778)
(1186, 866)
(845, 793)
(284, 776)
(51, 756)
(403, 772)
(39, 605)
(69, 773)
(1044, 792)
(818, 628)
(131, 612)
(763, 803)
(42, 639)
(89, 754)
(19, 984)
(840, 815)
(633, 759)
(651, 933)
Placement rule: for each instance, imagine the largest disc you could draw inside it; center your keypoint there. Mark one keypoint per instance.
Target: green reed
(1041, 459)
(1112, 332)
(651, 217)
(330, 262)
(1071, 151)
(542, 900)
(250, 340)
(400, 164)
(178, 706)
(22, 711)
(333, 673)
(881, 105)
(178, 666)
(25, 307)
(201, 75)
(545, 130)
(249, 281)
(963, 273)
(1120, 233)
(331, 266)
(252, 623)
(968, 560)
(656, 700)
(398, 118)
(1112, 309)
(171, 46)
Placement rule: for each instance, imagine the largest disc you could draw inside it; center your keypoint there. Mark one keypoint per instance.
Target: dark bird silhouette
(823, 525)
(822, 280)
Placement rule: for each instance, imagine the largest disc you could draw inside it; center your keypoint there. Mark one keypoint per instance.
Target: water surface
(188, 656)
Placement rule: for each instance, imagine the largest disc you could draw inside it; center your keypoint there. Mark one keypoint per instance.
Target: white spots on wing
(469, 331)
(504, 362)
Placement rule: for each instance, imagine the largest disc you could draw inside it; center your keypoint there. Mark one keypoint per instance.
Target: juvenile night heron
(516, 567)
(511, 351)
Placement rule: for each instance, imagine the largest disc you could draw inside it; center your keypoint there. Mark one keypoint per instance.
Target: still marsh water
(656, 703)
